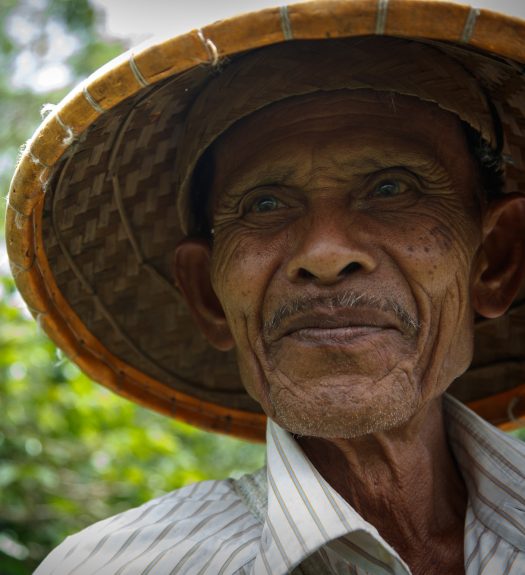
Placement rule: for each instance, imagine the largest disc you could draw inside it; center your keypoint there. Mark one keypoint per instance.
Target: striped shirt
(286, 518)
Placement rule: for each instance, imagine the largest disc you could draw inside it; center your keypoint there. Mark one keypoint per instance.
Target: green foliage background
(71, 452)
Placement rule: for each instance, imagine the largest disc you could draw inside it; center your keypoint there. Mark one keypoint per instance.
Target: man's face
(346, 228)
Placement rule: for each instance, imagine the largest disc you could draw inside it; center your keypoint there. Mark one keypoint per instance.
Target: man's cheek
(448, 345)
(235, 288)
(226, 273)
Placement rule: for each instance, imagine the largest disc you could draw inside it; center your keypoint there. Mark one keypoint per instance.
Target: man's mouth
(337, 336)
(334, 327)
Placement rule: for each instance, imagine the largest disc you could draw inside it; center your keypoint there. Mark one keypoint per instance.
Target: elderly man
(347, 220)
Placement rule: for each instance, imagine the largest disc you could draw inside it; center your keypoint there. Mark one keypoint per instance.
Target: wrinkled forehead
(348, 114)
(384, 65)
(348, 131)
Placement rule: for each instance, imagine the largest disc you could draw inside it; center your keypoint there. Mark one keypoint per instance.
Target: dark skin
(401, 474)
(350, 256)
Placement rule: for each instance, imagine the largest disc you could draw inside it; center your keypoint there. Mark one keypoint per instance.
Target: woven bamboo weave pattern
(86, 224)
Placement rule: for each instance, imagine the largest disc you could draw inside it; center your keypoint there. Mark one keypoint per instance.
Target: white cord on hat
(382, 9)
(213, 53)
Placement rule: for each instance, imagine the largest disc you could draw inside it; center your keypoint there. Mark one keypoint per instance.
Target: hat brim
(91, 216)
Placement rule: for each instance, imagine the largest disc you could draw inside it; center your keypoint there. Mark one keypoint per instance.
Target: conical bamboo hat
(93, 214)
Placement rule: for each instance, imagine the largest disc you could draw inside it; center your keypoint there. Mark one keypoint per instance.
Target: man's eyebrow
(242, 180)
(267, 175)
(387, 159)
(259, 176)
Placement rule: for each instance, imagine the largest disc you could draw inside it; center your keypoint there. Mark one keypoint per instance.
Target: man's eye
(265, 204)
(387, 188)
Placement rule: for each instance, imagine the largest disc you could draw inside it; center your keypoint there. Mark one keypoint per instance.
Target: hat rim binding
(125, 77)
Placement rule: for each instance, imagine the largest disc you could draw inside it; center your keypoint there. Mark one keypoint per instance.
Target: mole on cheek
(442, 236)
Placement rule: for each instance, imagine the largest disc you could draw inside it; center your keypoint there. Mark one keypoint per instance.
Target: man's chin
(343, 419)
(371, 356)
(325, 401)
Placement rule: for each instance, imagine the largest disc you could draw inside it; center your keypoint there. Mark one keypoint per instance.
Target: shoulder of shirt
(183, 511)
(487, 441)
(195, 493)
(493, 465)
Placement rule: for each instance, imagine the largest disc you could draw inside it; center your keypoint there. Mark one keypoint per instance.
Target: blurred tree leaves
(519, 433)
(71, 452)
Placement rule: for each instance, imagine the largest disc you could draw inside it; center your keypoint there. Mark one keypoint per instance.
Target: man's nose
(330, 247)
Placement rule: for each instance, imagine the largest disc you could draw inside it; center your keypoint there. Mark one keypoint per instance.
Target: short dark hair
(489, 164)
(201, 185)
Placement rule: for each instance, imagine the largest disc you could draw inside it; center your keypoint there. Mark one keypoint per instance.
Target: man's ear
(501, 265)
(191, 271)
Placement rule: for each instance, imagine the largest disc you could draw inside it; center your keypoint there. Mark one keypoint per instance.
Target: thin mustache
(342, 300)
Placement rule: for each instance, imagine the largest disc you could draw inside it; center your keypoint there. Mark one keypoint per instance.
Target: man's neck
(406, 483)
